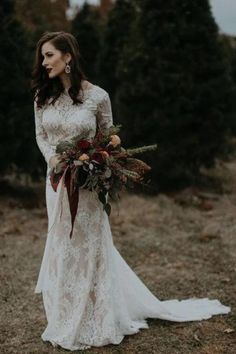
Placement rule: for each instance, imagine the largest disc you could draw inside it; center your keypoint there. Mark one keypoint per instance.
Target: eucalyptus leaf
(102, 197)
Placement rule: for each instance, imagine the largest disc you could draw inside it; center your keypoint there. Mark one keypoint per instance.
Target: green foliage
(142, 149)
(16, 125)
(115, 35)
(171, 78)
(175, 89)
(86, 29)
(229, 45)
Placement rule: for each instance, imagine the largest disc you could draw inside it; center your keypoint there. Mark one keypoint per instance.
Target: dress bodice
(63, 119)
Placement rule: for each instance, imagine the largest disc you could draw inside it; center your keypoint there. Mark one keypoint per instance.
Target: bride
(90, 294)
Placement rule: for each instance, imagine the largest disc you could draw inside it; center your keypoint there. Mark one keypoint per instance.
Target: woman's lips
(49, 70)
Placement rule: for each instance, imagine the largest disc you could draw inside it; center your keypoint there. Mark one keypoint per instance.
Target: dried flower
(104, 153)
(83, 144)
(115, 140)
(83, 157)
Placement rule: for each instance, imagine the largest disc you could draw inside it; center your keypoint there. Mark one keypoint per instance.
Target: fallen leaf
(195, 336)
(229, 330)
(225, 280)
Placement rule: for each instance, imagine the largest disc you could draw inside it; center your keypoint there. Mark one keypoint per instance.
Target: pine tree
(229, 46)
(16, 116)
(176, 88)
(86, 28)
(115, 35)
(43, 15)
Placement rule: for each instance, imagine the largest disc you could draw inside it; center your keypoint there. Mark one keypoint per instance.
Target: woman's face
(54, 60)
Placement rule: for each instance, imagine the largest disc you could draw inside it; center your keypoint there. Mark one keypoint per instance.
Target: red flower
(97, 157)
(83, 144)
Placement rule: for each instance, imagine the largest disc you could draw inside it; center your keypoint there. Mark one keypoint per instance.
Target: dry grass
(181, 245)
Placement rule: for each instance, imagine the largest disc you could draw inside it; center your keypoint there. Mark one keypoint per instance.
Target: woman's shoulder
(96, 91)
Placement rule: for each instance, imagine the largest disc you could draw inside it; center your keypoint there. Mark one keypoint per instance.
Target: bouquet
(101, 165)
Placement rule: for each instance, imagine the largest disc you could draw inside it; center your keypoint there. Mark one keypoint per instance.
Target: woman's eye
(47, 55)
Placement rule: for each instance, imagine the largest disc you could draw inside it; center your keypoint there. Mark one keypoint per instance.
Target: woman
(91, 296)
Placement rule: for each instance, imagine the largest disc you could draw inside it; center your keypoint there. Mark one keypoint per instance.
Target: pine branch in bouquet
(142, 149)
(64, 146)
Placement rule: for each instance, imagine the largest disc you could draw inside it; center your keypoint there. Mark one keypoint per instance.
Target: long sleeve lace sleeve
(104, 113)
(41, 136)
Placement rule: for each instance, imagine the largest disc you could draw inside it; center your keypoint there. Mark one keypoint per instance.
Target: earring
(67, 68)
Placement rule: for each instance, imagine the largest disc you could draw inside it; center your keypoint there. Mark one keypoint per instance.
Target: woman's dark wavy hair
(42, 86)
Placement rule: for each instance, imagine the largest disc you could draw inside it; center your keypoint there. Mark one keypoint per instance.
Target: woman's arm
(41, 136)
(104, 113)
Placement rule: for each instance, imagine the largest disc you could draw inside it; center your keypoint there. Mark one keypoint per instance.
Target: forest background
(170, 73)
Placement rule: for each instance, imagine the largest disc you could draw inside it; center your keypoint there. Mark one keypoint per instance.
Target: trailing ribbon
(68, 180)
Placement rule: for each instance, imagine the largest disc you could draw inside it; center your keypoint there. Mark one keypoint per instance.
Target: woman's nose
(44, 62)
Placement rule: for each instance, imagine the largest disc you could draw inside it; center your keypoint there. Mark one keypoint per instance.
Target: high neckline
(66, 91)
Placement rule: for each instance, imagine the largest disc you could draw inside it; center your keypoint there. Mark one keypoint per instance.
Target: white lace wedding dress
(90, 294)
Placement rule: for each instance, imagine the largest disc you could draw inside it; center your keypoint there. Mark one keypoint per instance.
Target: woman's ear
(67, 58)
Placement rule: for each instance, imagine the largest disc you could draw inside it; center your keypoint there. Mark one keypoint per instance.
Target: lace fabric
(62, 120)
(90, 294)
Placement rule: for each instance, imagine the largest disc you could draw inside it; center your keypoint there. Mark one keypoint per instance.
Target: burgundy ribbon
(69, 181)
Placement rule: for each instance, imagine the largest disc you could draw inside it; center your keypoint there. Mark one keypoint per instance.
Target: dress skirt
(91, 296)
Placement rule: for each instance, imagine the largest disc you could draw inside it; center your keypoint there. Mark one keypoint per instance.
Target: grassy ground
(181, 245)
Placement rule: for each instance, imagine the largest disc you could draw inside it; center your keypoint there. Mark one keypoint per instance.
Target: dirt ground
(181, 245)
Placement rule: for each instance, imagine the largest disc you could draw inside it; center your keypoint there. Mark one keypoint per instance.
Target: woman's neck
(65, 81)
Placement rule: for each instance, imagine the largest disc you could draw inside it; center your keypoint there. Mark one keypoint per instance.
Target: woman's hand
(54, 162)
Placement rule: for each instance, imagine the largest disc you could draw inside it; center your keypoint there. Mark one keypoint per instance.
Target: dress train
(95, 298)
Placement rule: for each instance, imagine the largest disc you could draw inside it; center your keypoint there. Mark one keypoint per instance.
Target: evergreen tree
(115, 35)
(86, 28)
(176, 88)
(43, 15)
(16, 116)
(229, 46)
(233, 73)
